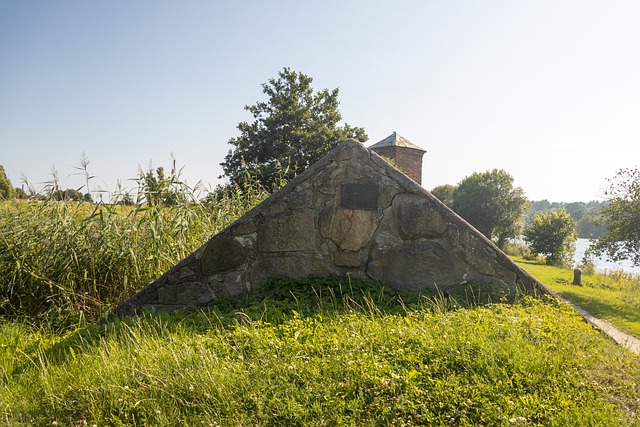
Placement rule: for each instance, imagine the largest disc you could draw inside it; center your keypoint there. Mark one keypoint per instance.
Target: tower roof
(395, 140)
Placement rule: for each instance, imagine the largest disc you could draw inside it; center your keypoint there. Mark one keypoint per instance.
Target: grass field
(324, 352)
(614, 296)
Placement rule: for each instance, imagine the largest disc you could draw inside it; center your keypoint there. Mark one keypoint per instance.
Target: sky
(547, 90)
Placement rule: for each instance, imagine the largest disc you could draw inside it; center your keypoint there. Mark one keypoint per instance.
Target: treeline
(51, 190)
(585, 215)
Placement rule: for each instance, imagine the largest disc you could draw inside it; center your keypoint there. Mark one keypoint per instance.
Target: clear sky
(547, 90)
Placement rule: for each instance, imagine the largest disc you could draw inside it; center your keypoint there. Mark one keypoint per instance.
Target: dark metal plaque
(359, 196)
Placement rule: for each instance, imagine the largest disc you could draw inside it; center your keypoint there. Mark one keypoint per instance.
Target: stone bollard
(577, 277)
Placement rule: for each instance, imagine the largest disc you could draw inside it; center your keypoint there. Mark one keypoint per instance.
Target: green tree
(157, 189)
(290, 131)
(621, 217)
(491, 203)
(6, 189)
(553, 234)
(69, 194)
(585, 214)
(588, 227)
(21, 194)
(445, 193)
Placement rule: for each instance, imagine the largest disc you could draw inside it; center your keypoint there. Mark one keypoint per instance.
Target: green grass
(614, 296)
(326, 352)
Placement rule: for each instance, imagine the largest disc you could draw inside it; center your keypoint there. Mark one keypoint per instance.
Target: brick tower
(407, 155)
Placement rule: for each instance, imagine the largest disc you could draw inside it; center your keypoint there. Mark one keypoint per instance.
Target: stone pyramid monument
(350, 213)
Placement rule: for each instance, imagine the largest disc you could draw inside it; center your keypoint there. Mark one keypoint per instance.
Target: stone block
(416, 217)
(244, 228)
(300, 198)
(185, 294)
(350, 229)
(473, 249)
(293, 231)
(347, 259)
(416, 265)
(183, 274)
(222, 253)
(291, 264)
(230, 284)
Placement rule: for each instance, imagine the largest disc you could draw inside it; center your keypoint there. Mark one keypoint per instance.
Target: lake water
(601, 264)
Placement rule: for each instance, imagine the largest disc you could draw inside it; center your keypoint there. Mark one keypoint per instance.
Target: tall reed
(65, 262)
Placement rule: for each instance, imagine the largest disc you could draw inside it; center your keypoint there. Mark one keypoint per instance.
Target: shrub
(553, 234)
(518, 249)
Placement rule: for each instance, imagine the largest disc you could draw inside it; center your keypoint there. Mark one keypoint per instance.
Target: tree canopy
(6, 189)
(491, 203)
(445, 193)
(290, 131)
(621, 217)
(552, 234)
(158, 189)
(585, 214)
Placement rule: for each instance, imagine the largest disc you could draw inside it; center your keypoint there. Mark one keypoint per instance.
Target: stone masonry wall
(350, 213)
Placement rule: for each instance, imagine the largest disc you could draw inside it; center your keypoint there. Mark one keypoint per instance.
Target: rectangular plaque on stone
(359, 196)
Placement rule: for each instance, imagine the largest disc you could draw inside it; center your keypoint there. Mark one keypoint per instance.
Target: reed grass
(67, 263)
